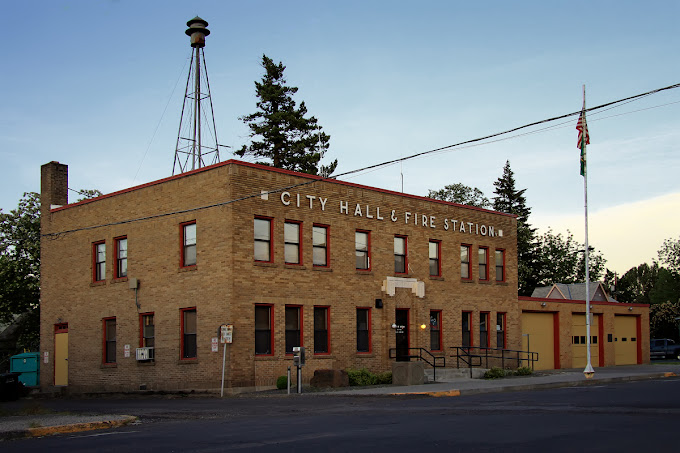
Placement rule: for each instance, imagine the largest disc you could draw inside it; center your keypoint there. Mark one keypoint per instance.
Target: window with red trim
(322, 322)
(292, 239)
(466, 329)
(400, 254)
(465, 264)
(99, 261)
(109, 353)
(483, 263)
(484, 330)
(500, 330)
(500, 265)
(362, 246)
(188, 334)
(121, 257)
(436, 330)
(320, 246)
(263, 250)
(363, 330)
(293, 327)
(146, 330)
(188, 233)
(264, 322)
(435, 253)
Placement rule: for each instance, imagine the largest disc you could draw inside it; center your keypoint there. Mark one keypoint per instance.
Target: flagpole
(588, 371)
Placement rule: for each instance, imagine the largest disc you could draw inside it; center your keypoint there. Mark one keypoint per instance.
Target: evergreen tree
(512, 201)
(279, 130)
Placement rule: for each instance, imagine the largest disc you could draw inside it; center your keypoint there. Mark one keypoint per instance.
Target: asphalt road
(625, 417)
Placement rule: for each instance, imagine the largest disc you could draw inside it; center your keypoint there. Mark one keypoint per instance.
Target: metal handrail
(423, 355)
(467, 355)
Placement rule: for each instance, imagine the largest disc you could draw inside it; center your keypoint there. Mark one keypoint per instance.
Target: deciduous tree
(462, 194)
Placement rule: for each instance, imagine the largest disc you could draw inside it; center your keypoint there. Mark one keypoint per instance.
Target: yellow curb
(435, 394)
(77, 427)
(669, 374)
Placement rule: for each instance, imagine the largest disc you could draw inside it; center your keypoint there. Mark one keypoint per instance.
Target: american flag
(583, 138)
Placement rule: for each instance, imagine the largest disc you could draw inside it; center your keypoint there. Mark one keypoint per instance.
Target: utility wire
(315, 178)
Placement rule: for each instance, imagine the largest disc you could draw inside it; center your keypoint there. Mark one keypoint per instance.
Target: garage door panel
(578, 341)
(541, 338)
(625, 340)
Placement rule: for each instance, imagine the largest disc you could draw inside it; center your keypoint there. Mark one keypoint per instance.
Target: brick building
(354, 274)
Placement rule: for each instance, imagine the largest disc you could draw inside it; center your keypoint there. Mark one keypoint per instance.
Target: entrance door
(401, 331)
(61, 354)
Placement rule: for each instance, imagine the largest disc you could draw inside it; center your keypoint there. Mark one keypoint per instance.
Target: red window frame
(271, 238)
(98, 276)
(301, 335)
(327, 230)
(328, 329)
(405, 255)
(368, 249)
(183, 246)
(142, 337)
(438, 244)
(117, 274)
(438, 328)
(270, 308)
(299, 242)
(502, 279)
(503, 317)
(484, 315)
(469, 261)
(483, 275)
(182, 333)
(370, 331)
(470, 328)
(105, 341)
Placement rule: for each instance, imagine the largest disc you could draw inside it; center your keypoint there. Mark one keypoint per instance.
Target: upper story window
(483, 263)
(435, 264)
(292, 235)
(465, 266)
(121, 257)
(400, 257)
(320, 246)
(99, 261)
(362, 246)
(263, 239)
(188, 230)
(500, 265)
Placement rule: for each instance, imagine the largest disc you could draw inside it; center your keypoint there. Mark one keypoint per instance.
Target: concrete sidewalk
(12, 427)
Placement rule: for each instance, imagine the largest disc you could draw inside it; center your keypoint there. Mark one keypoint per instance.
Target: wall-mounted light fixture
(423, 326)
(543, 304)
(630, 308)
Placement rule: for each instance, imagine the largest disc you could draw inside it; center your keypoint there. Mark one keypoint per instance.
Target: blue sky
(87, 83)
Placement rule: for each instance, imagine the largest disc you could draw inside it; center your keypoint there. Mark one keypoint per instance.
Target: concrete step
(453, 374)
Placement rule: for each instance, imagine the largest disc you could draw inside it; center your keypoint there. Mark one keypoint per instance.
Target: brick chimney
(53, 185)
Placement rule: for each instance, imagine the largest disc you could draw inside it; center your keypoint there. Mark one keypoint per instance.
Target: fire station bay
(136, 284)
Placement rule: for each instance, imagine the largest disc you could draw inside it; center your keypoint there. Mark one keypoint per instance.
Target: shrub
(495, 373)
(523, 371)
(384, 378)
(282, 382)
(363, 377)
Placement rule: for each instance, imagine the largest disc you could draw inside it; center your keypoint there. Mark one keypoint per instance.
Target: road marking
(101, 434)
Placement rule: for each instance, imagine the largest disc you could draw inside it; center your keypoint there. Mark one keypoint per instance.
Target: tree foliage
(461, 194)
(636, 285)
(662, 322)
(561, 259)
(669, 254)
(512, 201)
(666, 287)
(279, 130)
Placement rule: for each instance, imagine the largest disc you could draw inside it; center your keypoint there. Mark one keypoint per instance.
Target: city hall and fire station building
(136, 284)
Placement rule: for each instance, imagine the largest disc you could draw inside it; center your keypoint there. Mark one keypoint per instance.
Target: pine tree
(512, 201)
(279, 130)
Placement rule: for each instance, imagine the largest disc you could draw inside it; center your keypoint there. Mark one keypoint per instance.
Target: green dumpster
(28, 365)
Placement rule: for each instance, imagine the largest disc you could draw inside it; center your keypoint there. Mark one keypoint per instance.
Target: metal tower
(197, 144)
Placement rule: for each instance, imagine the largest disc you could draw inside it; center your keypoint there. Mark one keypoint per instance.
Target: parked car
(664, 348)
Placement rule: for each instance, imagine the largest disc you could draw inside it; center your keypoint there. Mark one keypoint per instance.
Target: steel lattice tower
(197, 144)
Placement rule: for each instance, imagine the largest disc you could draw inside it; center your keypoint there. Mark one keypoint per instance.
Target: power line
(315, 179)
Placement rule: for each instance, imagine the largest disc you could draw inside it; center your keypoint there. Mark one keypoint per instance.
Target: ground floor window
(436, 330)
(188, 333)
(321, 337)
(363, 330)
(293, 328)
(466, 328)
(147, 330)
(263, 330)
(500, 330)
(484, 330)
(110, 340)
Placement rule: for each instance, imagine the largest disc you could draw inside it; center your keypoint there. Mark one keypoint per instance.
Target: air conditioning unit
(145, 354)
